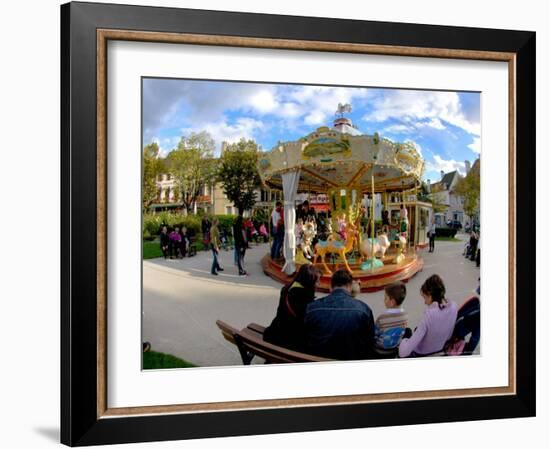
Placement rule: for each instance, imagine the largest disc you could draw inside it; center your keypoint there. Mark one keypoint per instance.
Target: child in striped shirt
(391, 324)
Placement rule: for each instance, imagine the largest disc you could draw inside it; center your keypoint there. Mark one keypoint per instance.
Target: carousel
(373, 226)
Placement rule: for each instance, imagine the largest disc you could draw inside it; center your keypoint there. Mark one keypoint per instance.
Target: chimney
(442, 174)
(468, 166)
(224, 147)
(429, 186)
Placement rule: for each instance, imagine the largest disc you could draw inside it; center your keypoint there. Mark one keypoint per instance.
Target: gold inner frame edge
(103, 36)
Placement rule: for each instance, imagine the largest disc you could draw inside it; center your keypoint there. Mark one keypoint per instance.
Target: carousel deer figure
(322, 248)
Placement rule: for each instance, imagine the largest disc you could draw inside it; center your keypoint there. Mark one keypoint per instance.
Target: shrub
(226, 223)
(445, 232)
(152, 224)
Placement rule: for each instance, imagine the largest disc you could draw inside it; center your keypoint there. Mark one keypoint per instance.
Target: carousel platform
(370, 281)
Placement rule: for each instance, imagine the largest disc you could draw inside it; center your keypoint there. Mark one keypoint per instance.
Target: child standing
(391, 324)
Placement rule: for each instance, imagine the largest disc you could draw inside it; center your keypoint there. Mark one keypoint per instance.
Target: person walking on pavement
(431, 235)
(215, 244)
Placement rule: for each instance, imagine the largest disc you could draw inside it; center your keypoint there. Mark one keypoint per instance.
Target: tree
(468, 188)
(238, 173)
(192, 165)
(436, 197)
(152, 166)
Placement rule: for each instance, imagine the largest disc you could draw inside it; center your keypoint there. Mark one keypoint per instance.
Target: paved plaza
(182, 300)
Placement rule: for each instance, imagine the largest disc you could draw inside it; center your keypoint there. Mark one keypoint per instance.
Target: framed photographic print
(281, 224)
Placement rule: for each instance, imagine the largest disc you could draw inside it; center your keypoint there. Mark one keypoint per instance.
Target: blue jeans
(215, 263)
(277, 244)
(240, 259)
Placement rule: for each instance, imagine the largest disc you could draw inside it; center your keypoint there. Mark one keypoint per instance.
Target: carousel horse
(304, 252)
(380, 246)
(308, 233)
(401, 247)
(332, 246)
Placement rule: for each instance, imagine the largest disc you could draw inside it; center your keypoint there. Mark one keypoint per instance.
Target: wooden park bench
(250, 343)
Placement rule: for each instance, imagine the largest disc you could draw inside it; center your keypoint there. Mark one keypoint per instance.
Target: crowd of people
(174, 243)
(339, 326)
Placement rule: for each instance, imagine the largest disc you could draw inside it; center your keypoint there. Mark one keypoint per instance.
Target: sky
(444, 126)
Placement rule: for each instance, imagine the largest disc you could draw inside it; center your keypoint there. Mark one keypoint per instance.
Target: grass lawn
(159, 360)
(151, 250)
(447, 239)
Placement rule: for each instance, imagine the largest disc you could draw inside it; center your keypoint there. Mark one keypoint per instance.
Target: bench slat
(257, 343)
(256, 328)
(250, 342)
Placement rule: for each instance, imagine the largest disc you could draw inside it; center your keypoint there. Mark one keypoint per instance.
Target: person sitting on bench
(164, 241)
(339, 326)
(287, 328)
(437, 324)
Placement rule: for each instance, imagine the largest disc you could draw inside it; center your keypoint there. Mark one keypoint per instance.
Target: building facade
(444, 195)
(211, 199)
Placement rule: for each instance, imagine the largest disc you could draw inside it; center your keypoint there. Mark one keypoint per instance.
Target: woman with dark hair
(436, 326)
(287, 328)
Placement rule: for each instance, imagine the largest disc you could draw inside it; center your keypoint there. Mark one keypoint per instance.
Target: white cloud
(243, 127)
(433, 123)
(170, 103)
(317, 104)
(475, 146)
(411, 106)
(446, 165)
(264, 101)
(398, 129)
(315, 118)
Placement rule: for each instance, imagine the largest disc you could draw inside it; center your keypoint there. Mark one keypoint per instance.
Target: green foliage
(468, 188)
(152, 166)
(438, 204)
(238, 172)
(260, 216)
(424, 193)
(226, 222)
(159, 360)
(192, 165)
(152, 224)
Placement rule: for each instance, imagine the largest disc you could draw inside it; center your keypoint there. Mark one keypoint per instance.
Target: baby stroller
(467, 324)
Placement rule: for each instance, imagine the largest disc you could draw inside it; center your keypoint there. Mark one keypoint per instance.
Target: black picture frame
(81, 424)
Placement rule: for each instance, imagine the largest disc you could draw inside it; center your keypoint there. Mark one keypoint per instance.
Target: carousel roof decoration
(341, 156)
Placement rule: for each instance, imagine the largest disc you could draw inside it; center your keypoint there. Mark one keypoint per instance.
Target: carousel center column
(290, 189)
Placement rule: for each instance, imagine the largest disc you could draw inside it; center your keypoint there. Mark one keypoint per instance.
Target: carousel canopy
(335, 157)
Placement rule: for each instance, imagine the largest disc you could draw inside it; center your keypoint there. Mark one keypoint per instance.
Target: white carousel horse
(381, 245)
(309, 231)
(322, 248)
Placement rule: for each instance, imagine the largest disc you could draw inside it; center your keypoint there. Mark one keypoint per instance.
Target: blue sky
(444, 126)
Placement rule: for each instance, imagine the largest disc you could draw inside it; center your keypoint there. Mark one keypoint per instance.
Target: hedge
(445, 232)
(152, 224)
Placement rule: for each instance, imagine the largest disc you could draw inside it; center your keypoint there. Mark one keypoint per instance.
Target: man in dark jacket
(239, 235)
(339, 326)
(164, 241)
